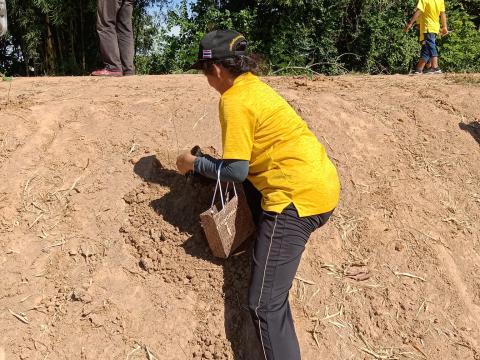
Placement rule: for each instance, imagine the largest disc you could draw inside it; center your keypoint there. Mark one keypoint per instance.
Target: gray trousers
(115, 30)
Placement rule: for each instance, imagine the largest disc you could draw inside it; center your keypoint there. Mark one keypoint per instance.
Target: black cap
(220, 44)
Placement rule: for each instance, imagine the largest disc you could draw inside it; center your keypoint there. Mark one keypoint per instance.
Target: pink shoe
(106, 72)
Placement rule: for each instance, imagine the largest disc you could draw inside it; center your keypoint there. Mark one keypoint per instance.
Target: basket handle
(218, 187)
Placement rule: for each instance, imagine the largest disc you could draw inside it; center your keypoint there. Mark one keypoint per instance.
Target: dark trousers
(281, 240)
(115, 30)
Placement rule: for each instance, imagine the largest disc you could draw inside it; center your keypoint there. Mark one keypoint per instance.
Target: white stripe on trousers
(261, 289)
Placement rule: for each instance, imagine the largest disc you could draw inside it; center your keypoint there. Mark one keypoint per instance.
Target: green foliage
(460, 50)
(292, 36)
(387, 48)
(59, 36)
(322, 36)
(184, 30)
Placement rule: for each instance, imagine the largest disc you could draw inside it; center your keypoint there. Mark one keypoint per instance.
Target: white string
(219, 185)
(234, 189)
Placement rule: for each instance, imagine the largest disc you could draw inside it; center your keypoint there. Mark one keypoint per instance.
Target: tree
(292, 36)
(324, 36)
(59, 36)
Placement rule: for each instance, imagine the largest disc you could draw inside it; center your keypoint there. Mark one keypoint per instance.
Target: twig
(315, 334)
(138, 347)
(420, 351)
(38, 206)
(397, 273)
(150, 356)
(19, 317)
(439, 240)
(38, 218)
(304, 281)
(420, 308)
(337, 324)
(74, 185)
(132, 149)
(333, 315)
(25, 189)
(19, 116)
(311, 297)
(374, 354)
(409, 275)
(86, 166)
(60, 243)
(203, 117)
(25, 298)
(326, 141)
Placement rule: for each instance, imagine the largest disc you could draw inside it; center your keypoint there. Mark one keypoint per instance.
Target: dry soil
(102, 256)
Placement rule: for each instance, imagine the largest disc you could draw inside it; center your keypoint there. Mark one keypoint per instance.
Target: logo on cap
(207, 54)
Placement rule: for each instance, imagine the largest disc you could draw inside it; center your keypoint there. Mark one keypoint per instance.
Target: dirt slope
(102, 257)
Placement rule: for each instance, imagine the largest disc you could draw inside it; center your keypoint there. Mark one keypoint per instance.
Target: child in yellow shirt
(430, 11)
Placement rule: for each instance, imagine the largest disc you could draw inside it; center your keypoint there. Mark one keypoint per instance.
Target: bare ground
(102, 257)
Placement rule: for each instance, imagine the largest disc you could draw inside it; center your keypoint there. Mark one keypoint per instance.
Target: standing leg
(433, 52)
(424, 57)
(281, 240)
(432, 47)
(126, 42)
(107, 32)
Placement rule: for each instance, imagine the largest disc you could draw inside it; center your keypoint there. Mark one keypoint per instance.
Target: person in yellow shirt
(292, 187)
(431, 11)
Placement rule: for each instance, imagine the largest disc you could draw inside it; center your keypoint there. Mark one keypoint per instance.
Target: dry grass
(46, 201)
(464, 79)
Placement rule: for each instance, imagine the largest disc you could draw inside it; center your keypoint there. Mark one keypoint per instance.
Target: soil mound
(102, 255)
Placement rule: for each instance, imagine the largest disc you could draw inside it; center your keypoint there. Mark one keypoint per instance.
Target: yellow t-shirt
(431, 10)
(287, 163)
(421, 28)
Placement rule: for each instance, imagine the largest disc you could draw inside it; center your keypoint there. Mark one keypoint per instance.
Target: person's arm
(412, 20)
(230, 170)
(444, 30)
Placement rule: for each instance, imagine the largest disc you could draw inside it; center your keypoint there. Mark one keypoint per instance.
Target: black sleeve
(231, 170)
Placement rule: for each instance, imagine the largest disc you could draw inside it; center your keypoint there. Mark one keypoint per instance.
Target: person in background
(291, 185)
(115, 31)
(431, 11)
(421, 39)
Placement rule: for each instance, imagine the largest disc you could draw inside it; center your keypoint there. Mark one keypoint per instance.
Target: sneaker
(107, 72)
(434, 71)
(416, 72)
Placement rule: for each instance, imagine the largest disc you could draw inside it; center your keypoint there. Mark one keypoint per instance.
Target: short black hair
(236, 65)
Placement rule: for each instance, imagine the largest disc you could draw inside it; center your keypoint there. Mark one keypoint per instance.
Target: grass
(465, 79)
(5, 77)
